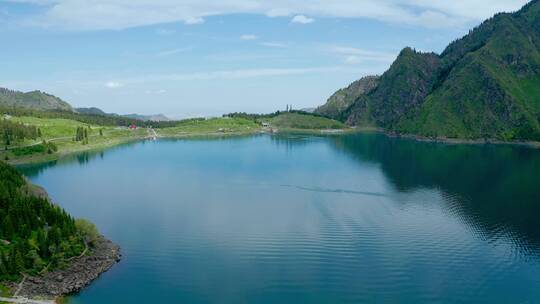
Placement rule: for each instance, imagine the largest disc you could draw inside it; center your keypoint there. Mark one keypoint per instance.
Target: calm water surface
(294, 219)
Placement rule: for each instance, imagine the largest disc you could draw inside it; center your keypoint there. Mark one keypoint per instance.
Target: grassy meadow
(59, 135)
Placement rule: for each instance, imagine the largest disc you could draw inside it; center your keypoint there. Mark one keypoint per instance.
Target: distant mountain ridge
(34, 100)
(91, 110)
(154, 117)
(38, 100)
(97, 111)
(484, 85)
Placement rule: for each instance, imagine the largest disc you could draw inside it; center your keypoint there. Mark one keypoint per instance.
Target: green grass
(211, 126)
(53, 127)
(303, 121)
(61, 132)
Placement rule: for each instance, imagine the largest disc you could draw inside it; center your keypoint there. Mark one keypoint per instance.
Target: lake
(360, 218)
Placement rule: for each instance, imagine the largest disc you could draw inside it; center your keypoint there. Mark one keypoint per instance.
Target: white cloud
(302, 19)
(165, 32)
(274, 44)
(278, 12)
(113, 84)
(155, 92)
(172, 52)
(352, 59)
(249, 37)
(193, 20)
(120, 14)
(355, 55)
(228, 74)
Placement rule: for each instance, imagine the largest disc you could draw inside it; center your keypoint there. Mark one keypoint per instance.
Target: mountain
(97, 111)
(344, 98)
(92, 111)
(484, 85)
(156, 117)
(33, 100)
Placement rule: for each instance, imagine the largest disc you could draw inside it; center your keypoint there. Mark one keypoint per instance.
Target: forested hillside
(33, 100)
(34, 234)
(484, 85)
(12, 132)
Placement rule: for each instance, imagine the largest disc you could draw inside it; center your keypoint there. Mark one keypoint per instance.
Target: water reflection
(494, 187)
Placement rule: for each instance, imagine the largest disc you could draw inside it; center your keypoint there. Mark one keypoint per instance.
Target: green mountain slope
(402, 88)
(484, 85)
(344, 98)
(33, 100)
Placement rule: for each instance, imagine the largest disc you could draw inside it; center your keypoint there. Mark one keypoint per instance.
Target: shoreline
(43, 158)
(83, 270)
(461, 141)
(36, 159)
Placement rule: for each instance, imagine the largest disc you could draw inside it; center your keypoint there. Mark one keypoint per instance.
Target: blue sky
(188, 58)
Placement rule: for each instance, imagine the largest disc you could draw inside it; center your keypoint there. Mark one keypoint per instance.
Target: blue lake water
(302, 219)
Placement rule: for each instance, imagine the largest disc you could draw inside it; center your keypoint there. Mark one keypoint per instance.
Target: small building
(133, 127)
(265, 125)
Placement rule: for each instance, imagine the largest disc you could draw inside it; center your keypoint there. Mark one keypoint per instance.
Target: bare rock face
(80, 273)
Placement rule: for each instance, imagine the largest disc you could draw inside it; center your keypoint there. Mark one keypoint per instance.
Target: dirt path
(152, 133)
(19, 287)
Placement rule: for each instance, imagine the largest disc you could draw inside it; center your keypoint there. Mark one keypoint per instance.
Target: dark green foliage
(44, 147)
(33, 232)
(402, 88)
(258, 117)
(16, 132)
(40, 148)
(484, 85)
(81, 134)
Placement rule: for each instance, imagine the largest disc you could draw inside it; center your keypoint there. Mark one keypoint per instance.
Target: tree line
(15, 132)
(257, 117)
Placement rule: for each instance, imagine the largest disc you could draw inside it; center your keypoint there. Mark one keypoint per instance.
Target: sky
(189, 58)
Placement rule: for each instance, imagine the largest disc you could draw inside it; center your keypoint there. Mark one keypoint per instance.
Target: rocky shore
(80, 273)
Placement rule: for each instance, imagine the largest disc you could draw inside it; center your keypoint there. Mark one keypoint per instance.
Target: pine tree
(85, 141)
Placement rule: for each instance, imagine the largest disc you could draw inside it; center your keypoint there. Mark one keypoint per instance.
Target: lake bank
(163, 134)
(53, 280)
(166, 134)
(80, 272)
(460, 141)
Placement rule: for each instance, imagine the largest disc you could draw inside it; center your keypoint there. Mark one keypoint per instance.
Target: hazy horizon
(201, 58)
